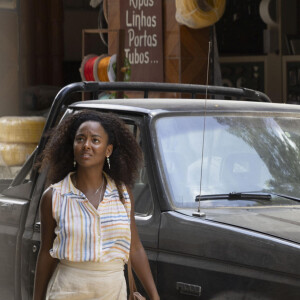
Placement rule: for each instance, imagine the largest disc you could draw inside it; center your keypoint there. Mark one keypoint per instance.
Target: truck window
(141, 190)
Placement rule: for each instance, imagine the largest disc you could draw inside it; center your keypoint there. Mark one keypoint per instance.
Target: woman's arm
(45, 263)
(139, 259)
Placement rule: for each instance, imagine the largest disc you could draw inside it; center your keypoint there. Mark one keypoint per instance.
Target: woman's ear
(109, 150)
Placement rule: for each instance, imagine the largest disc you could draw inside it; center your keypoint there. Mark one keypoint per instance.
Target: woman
(87, 214)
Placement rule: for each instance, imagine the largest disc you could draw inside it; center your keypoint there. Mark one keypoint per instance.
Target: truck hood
(281, 222)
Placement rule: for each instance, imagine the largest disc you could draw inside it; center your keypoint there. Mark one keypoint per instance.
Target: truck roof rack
(193, 89)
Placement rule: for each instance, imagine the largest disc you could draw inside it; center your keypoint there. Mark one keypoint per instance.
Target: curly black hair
(58, 155)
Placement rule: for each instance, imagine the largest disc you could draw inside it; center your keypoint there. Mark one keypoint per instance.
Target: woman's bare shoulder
(46, 200)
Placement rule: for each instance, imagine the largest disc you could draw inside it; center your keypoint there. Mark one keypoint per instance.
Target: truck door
(14, 203)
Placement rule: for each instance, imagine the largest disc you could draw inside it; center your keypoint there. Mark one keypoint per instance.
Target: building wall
(9, 63)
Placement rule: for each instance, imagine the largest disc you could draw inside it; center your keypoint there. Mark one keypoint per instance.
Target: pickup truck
(217, 200)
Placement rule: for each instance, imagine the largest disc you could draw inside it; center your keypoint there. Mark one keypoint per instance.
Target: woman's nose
(87, 144)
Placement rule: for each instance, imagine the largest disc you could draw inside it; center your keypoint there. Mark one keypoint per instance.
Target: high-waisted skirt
(87, 281)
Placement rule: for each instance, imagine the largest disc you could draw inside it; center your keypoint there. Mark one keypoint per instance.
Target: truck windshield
(240, 154)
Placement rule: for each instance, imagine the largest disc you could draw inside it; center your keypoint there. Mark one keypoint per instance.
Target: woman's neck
(88, 179)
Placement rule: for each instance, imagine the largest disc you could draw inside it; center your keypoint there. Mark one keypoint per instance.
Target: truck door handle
(37, 226)
(188, 289)
(34, 248)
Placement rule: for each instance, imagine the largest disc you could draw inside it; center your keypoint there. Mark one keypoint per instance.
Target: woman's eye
(79, 139)
(96, 141)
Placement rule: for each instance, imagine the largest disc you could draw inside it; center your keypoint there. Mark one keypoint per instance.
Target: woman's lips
(86, 155)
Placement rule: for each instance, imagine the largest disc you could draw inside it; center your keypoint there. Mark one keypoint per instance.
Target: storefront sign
(142, 21)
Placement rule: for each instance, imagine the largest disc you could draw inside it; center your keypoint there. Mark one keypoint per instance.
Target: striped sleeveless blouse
(84, 233)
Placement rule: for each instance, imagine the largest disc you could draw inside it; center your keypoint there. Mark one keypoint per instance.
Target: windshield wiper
(287, 197)
(235, 196)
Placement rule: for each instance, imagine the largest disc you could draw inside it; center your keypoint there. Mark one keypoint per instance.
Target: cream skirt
(88, 281)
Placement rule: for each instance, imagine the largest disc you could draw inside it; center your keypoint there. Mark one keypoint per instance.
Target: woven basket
(15, 154)
(21, 129)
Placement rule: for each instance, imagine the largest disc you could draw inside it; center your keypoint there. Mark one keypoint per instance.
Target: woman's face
(91, 145)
